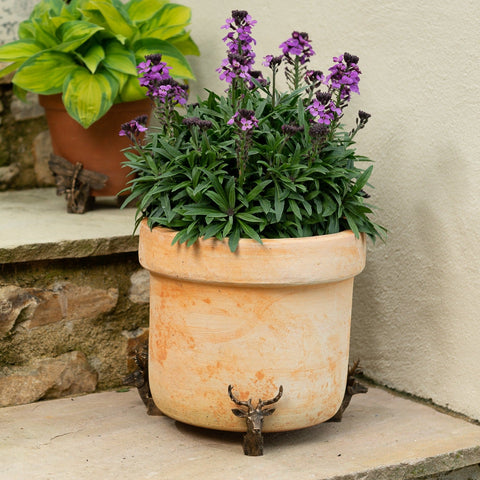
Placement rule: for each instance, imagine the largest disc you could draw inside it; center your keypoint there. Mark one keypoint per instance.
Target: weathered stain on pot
(212, 334)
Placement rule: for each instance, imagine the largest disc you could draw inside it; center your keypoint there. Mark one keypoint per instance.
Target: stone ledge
(34, 225)
(109, 435)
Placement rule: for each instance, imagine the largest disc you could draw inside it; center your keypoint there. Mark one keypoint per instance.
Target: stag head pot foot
(253, 440)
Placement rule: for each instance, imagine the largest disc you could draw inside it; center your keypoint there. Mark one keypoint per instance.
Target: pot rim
(285, 261)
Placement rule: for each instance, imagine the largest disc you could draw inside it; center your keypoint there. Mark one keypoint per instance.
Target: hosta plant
(88, 50)
(254, 162)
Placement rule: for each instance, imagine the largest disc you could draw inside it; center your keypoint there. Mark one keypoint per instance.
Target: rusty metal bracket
(353, 387)
(76, 182)
(253, 439)
(139, 379)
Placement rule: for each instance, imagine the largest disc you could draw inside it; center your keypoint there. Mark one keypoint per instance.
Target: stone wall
(25, 145)
(69, 326)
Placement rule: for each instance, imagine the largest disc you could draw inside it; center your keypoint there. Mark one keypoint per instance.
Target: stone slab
(34, 225)
(109, 436)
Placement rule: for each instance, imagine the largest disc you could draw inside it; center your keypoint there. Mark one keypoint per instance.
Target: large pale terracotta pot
(98, 147)
(271, 315)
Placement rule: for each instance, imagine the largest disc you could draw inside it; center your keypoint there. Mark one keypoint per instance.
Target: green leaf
(171, 55)
(9, 68)
(233, 239)
(255, 192)
(117, 57)
(19, 50)
(32, 75)
(168, 22)
(362, 180)
(87, 96)
(250, 231)
(212, 230)
(248, 217)
(143, 10)
(218, 199)
(111, 16)
(185, 44)
(294, 208)
(132, 90)
(75, 33)
(93, 56)
(279, 205)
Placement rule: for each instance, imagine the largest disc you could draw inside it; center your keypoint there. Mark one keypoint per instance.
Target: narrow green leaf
(362, 180)
(253, 194)
(248, 230)
(233, 239)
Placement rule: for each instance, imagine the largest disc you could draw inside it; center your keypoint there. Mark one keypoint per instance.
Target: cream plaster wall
(416, 320)
(417, 306)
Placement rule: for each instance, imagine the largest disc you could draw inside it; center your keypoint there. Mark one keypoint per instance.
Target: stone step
(108, 435)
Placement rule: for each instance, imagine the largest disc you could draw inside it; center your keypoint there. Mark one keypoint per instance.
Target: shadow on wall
(415, 316)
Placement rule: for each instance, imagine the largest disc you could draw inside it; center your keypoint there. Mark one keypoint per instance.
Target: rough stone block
(13, 301)
(42, 148)
(63, 301)
(68, 374)
(26, 110)
(8, 174)
(139, 291)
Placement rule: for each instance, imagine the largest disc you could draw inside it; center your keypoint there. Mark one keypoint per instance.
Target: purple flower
(134, 128)
(344, 75)
(299, 46)
(323, 109)
(160, 85)
(245, 119)
(271, 61)
(241, 57)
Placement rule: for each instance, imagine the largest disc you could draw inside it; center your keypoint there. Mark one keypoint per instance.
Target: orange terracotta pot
(268, 315)
(98, 147)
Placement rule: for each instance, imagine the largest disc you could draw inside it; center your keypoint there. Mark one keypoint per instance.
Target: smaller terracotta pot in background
(98, 147)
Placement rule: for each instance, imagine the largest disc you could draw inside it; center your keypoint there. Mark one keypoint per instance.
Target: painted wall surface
(416, 313)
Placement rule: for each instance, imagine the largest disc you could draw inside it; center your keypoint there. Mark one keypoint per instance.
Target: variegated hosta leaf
(19, 50)
(103, 12)
(45, 72)
(117, 57)
(171, 55)
(93, 56)
(171, 16)
(142, 10)
(132, 90)
(75, 33)
(87, 96)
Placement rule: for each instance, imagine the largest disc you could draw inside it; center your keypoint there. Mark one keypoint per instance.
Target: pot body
(268, 315)
(98, 147)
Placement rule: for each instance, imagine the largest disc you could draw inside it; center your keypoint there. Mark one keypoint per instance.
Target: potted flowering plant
(253, 218)
(80, 56)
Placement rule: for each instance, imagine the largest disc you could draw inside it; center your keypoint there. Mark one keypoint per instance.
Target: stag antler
(275, 399)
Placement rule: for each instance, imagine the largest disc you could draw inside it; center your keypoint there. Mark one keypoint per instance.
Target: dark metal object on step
(139, 379)
(76, 182)
(253, 440)
(353, 387)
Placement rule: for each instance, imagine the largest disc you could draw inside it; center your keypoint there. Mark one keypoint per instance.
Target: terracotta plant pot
(271, 315)
(98, 147)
